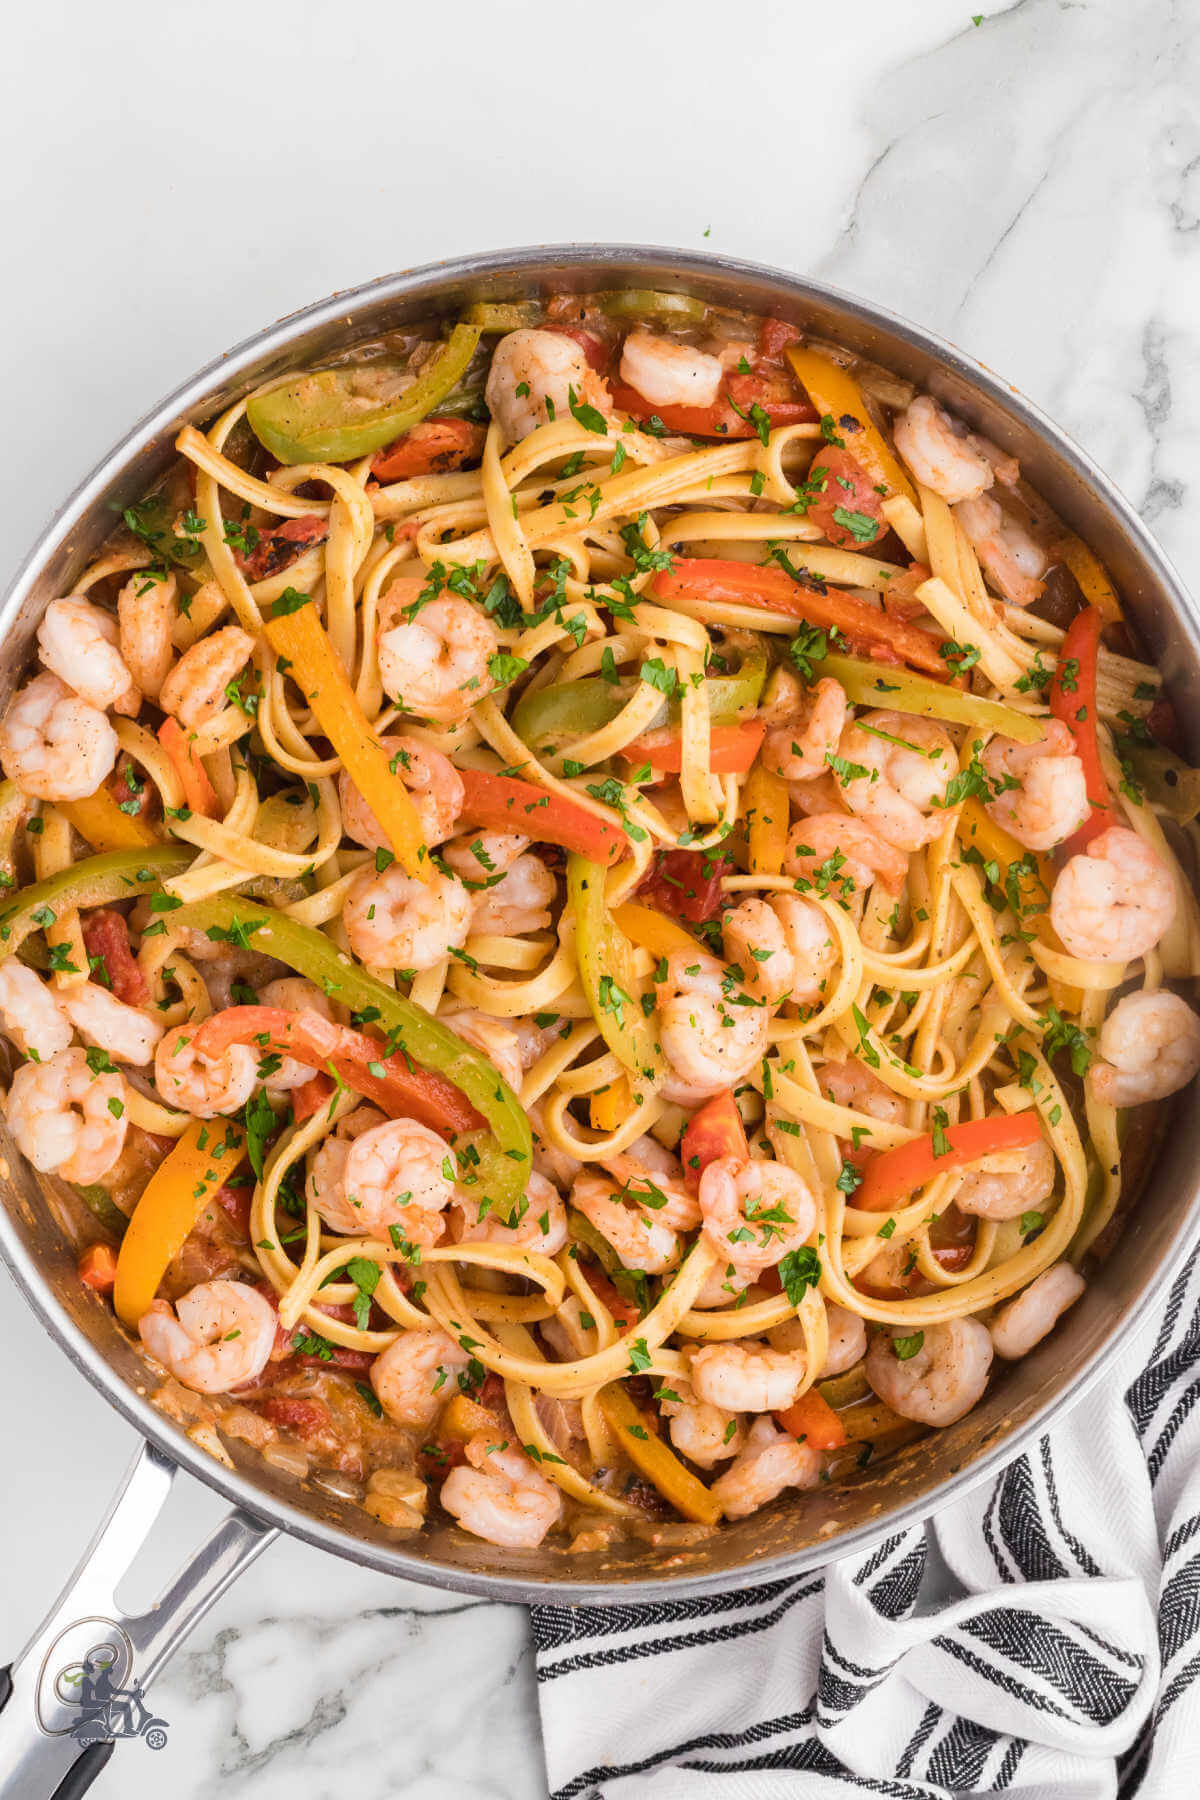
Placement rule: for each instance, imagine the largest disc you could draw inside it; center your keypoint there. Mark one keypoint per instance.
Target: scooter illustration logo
(106, 1710)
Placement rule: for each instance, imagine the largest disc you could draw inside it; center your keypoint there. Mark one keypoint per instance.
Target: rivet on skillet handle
(40, 1757)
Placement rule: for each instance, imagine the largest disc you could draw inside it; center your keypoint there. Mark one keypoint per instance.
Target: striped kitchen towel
(1067, 1669)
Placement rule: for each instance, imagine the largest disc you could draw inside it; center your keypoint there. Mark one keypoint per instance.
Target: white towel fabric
(1070, 1671)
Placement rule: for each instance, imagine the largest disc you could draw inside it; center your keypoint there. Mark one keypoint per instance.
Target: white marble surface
(1029, 186)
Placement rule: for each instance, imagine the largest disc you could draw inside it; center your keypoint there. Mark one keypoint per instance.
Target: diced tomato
(721, 420)
(431, 448)
(594, 347)
(812, 1421)
(310, 1097)
(106, 936)
(847, 506)
(144, 799)
(436, 1458)
(235, 1202)
(715, 1131)
(774, 336)
(302, 1417)
(685, 884)
(97, 1268)
(623, 1310)
(900, 596)
(343, 1357)
(503, 803)
(731, 748)
(1163, 725)
(277, 548)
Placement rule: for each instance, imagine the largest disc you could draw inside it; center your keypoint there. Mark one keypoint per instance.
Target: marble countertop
(1027, 183)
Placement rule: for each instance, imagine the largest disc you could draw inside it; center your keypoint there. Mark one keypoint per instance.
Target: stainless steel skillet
(38, 1754)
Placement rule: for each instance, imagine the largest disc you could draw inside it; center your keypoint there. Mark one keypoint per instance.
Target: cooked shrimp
(710, 1036)
(398, 1173)
(852, 1084)
(938, 452)
(501, 1498)
(67, 1120)
(783, 947)
(495, 1037)
(54, 745)
(655, 1182)
(1039, 790)
(208, 1087)
(668, 373)
(218, 1336)
(638, 1236)
(770, 1462)
(705, 1434)
(847, 1339)
(556, 1165)
(747, 1376)
(415, 1376)
(477, 857)
(539, 1222)
(101, 1019)
(723, 1286)
(533, 376)
(32, 1012)
(1036, 1310)
(1008, 1183)
(839, 855)
(755, 1212)
(78, 643)
(434, 661)
(1014, 561)
(1115, 901)
(519, 902)
(394, 921)
(800, 748)
(194, 691)
(1150, 1045)
(894, 770)
(940, 1379)
(147, 609)
(434, 785)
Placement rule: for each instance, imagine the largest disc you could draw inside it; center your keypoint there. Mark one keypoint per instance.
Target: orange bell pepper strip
(100, 820)
(652, 930)
(1073, 700)
(893, 1175)
(725, 582)
(317, 669)
(433, 447)
(198, 790)
(610, 1106)
(731, 748)
(1091, 575)
(713, 1132)
(636, 1435)
(502, 803)
(768, 812)
(202, 1160)
(97, 1267)
(360, 1062)
(812, 1421)
(838, 398)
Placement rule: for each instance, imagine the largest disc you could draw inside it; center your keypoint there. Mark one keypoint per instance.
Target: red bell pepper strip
(812, 1421)
(361, 1062)
(502, 803)
(433, 447)
(685, 884)
(1073, 700)
(715, 1131)
(721, 420)
(731, 748)
(724, 582)
(310, 1097)
(97, 1268)
(895, 1174)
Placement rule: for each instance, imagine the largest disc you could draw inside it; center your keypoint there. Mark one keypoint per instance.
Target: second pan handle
(75, 1691)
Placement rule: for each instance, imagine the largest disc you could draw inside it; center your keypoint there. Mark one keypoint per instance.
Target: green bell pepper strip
(574, 709)
(651, 303)
(505, 1156)
(605, 958)
(103, 1208)
(582, 1231)
(1164, 778)
(882, 684)
(117, 875)
(505, 315)
(320, 418)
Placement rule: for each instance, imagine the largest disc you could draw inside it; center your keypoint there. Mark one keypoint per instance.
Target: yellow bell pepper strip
(335, 416)
(505, 315)
(503, 1155)
(838, 398)
(14, 805)
(654, 931)
(648, 303)
(1164, 778)
(871, 684)
(638, 1438)
(101, 822)
(317, 668)
(610, 1106)
(768, 810)
(98, 881)
(605, 957)
(1025, 875)
(200, 1162)
(1091, 575)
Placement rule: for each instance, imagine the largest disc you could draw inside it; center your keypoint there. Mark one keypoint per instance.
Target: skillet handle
(66, 1701)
